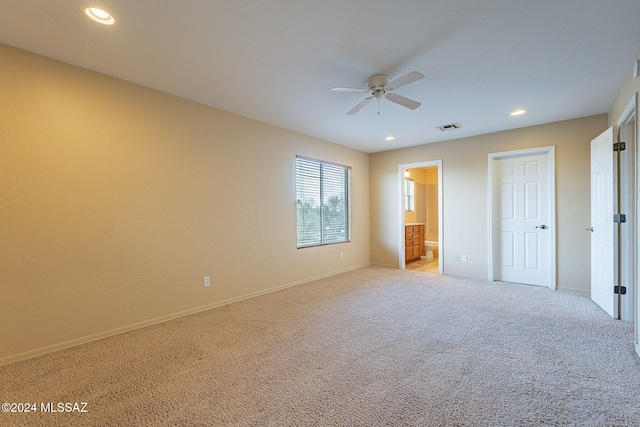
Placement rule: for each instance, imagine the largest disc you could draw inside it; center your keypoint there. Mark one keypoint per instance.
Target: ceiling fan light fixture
(99, 15)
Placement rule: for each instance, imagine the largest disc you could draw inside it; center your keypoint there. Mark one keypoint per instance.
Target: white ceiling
(276, 60)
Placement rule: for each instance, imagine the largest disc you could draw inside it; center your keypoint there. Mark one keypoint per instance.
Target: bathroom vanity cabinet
(413, 242)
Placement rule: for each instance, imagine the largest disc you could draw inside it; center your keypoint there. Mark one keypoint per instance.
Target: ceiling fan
(380, 85)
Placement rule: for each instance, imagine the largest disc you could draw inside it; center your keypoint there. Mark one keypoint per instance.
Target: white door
(603, 236)
(525, 220)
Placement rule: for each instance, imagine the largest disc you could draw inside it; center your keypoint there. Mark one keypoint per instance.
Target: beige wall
(464, 165)
(628, 89)
(116, 200)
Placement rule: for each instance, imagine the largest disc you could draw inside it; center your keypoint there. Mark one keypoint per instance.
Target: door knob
(544, 227)
(589, 229)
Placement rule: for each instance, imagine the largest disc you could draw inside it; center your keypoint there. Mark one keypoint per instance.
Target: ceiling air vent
(451, 126)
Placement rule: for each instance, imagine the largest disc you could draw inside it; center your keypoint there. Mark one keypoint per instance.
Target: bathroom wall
(431, 189)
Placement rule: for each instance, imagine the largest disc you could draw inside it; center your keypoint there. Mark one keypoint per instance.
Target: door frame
(401, 190)
(627, 203)
(493, 261)
(633, 104)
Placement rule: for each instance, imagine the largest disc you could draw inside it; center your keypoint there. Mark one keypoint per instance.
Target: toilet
(431, 247)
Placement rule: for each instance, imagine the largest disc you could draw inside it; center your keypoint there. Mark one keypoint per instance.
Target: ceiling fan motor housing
(377, 84)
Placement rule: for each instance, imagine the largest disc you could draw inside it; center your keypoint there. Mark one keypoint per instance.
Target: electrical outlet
(207, 281)
(341, 255)
(464, 258)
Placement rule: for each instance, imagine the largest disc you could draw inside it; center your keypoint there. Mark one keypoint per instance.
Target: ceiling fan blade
(359, 106)
(405, 80)
(401, 100)
(348, 89)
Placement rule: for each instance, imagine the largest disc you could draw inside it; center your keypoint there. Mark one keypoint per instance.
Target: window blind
(323, 202)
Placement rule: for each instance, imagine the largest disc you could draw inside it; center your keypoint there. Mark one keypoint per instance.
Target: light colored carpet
(372, 347)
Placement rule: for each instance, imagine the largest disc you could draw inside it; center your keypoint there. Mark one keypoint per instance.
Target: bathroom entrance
(421, 230)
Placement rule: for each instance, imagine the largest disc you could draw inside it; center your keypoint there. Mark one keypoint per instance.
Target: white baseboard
(466, 276)
(577, 291)
(105, 334)
(384, 265)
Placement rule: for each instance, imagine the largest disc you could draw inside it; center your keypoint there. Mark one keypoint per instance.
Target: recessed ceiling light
(518, 112)
(100, 15)
(390, 138)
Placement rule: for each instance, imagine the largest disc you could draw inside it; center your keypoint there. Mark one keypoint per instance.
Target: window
(409, 195)
(323, 202)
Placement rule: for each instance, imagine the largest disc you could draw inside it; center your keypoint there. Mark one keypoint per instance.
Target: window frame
(324, 233)
(409, 195)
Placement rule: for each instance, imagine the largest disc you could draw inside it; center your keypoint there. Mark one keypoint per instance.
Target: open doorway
(421, 217)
